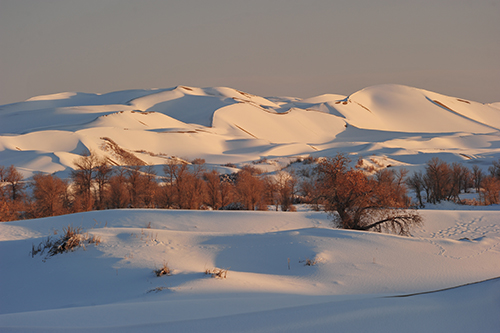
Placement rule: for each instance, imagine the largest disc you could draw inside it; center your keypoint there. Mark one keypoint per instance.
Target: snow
(443, 278)
(355, 284)
(223, 125)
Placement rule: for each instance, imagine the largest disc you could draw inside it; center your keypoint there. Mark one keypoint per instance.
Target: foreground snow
(354, 285)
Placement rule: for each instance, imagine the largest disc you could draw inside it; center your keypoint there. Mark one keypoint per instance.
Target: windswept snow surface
(356, 285)
(398, 124)
(361, 281)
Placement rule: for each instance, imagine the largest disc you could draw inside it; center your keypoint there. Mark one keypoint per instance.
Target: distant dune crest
(227, 125)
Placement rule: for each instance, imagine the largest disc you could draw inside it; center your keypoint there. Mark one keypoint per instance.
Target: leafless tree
(118, 192)
(187, 189)
(151, 188)
(227, 190)
(50, 194)
(359, 202)
(12, 194)
(136, 185)
(102, 175)
(416, 183)
(83, 176)
(438, 179)
(214, 189)
(477, 177)
(250, 189)
(15, 184)
(286, 184)
(495, 169)
(490, 191)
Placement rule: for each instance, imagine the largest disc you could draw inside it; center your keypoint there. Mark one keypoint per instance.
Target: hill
(249, 271)
(398, 124)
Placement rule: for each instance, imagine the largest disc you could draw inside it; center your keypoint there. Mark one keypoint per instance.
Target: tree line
(357, 200)
(442, 181)
(96, 185)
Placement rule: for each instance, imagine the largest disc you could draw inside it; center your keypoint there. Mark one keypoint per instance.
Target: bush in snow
(164, 270)
(71, 239)
(218, 273)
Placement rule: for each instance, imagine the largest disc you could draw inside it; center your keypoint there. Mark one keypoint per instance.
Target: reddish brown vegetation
(359, 202)
(356, 200)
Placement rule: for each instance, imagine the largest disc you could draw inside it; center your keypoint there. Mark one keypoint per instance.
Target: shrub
(71, 239)
(164, 270)
(218, 273)
(309, 262)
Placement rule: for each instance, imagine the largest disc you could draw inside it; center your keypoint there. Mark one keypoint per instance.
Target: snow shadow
(269, 253)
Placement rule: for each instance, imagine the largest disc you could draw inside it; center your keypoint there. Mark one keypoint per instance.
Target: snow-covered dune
(405, 109)
(355, 282)
(285, 271)
(224, 125)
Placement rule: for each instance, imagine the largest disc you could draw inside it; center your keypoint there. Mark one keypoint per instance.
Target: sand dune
(390, 121)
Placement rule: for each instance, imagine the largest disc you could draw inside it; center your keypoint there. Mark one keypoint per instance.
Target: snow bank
(355, 283)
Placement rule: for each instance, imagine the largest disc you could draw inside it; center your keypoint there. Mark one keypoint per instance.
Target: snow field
(354, 273)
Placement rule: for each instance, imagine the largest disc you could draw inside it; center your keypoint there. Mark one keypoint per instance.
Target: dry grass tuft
(164, 270)
(71, 239)
(309, 262)
(218, 273)
(157, 289)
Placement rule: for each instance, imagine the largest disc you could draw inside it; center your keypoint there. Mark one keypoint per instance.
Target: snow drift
(359, 280)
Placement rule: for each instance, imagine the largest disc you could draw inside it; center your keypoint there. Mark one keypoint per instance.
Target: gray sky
(266, 47)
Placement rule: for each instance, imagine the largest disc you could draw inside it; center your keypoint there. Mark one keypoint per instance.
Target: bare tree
(186, 188)
(12, 194)
(477, 177)
(136, 185)
(490, 191)
(15, 184)
(3, 173)
(250, 189)
(495, 169)
(151, 188)
(83, 176)
(7, 213)
(363, 203)
(50, 194)
(118, 192)
(459, 181)
(214, 189)
(226, 192)
(416, 183)
(393, 182)
(286, 184)
(102, 175)
(438, 179)
(272, 191)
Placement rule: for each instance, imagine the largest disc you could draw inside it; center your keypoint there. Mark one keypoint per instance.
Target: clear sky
(267, 47)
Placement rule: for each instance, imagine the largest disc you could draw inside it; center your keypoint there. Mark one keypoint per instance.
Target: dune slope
(224, 125)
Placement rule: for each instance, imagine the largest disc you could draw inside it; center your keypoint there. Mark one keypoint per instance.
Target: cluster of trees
(355, 199)
(95, 185)
(442, 181)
